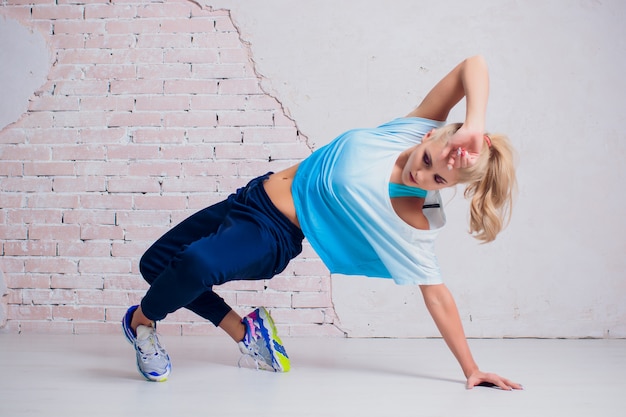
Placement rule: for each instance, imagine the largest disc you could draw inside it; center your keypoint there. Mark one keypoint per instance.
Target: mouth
(412, 178)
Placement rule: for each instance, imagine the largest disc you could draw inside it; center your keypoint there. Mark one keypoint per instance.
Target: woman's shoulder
(413, 121)
(413, 126)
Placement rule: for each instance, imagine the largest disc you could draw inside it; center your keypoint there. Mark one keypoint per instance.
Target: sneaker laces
(148, 343)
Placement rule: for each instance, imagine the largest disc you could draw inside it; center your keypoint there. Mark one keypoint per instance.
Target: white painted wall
(558, 90)
(24, 65)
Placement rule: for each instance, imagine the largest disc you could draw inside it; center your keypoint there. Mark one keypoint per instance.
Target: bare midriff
(278, 189)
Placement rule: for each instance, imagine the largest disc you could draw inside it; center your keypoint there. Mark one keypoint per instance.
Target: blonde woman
(367, 202)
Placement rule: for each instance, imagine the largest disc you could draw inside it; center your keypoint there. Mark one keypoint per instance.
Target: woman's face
(425, 168)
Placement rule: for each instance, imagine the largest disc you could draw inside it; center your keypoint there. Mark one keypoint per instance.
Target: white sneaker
(153, 362)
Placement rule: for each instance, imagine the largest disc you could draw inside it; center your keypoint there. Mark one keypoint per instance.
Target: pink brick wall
(152, 110)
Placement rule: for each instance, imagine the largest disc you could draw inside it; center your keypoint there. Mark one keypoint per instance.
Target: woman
(368, 204)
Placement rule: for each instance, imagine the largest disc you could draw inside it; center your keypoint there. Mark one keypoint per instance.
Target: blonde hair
(491, 183)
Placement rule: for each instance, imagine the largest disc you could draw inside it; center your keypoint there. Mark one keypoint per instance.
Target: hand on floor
(491, 380)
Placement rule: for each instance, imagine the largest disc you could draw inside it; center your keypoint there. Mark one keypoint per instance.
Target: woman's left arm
(444, 312)
(469, 79)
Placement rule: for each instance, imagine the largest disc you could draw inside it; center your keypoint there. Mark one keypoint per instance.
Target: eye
(426, 159)
(440, 180)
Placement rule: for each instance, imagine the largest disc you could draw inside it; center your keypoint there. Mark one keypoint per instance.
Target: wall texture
(558, 90)
(149, 112)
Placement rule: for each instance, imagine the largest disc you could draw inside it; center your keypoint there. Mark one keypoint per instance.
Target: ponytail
(490, 187)
(490, 184)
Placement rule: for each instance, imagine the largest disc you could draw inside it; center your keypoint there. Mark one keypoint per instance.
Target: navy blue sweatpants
(241, 238)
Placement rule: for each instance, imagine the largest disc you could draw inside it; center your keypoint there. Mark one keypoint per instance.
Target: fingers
(500, 383)
(513, 385)
(463, 158)
(492, 380)
(469, 142)
(460, 158)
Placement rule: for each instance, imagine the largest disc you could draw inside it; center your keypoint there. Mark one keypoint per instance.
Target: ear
(428, 135)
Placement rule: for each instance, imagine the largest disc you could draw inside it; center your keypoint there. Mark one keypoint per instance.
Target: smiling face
(424, 168)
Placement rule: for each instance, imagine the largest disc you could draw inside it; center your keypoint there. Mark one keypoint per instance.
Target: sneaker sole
(282, 362)
(153, 378)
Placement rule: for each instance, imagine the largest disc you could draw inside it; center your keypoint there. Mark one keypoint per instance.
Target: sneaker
(262, 344)
(153, 362)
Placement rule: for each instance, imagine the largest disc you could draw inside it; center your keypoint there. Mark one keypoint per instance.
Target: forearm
(469, 79)
(474, 76)
(444, 312)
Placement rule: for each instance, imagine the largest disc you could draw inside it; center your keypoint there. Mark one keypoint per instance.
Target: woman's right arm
(444, 312)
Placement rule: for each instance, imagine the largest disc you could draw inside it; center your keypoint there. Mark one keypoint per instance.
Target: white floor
(43, 375)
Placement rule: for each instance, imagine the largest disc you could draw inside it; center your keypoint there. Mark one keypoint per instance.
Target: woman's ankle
(139, 319)
(233, 326)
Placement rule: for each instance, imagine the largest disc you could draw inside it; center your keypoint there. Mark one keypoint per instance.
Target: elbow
(477, 61)
(477, 58)
(435, 295)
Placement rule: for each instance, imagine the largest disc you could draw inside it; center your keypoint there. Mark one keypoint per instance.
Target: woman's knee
(150, 267)
(190, 264)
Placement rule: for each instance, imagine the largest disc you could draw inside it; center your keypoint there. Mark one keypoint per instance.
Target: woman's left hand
(463, 148)
(478, 377)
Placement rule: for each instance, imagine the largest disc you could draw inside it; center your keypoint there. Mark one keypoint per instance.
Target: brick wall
(152, 110)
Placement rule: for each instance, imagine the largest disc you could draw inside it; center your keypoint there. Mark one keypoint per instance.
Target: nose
(419, 177)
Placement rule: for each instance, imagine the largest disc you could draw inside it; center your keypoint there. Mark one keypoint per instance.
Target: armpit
(409, 209)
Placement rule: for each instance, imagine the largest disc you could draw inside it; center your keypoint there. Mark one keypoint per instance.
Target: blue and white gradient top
(341, 194)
